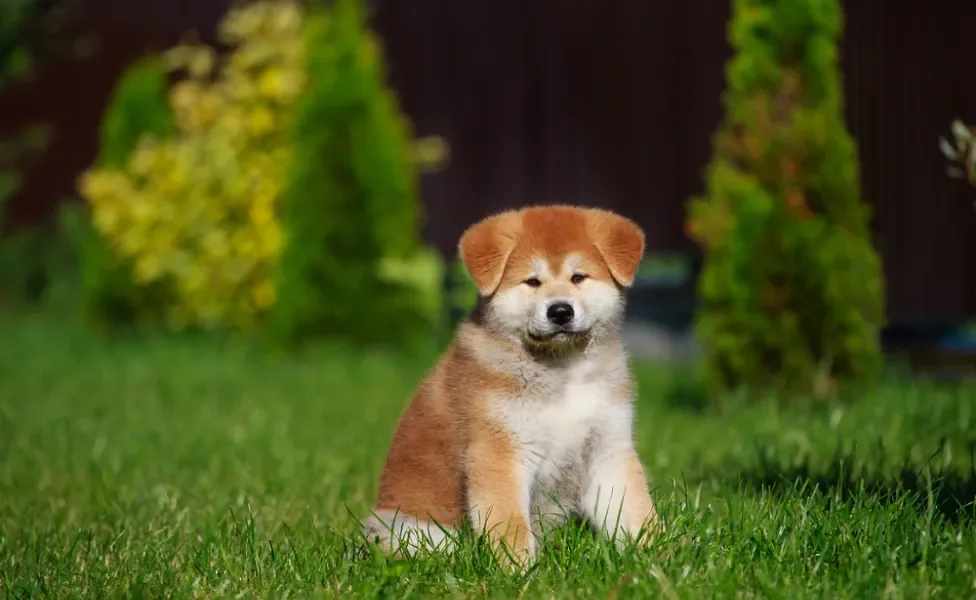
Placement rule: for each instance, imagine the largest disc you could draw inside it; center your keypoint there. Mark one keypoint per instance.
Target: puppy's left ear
(621, 243)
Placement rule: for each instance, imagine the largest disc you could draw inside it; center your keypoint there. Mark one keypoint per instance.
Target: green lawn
(198, 468)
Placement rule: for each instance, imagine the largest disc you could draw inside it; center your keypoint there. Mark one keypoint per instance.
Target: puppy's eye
(533, 282)
(577, 278)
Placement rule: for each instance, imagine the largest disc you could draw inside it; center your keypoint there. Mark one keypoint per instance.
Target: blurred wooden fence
(606, 103)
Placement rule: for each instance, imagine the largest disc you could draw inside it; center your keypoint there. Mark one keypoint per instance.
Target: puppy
(527, 418)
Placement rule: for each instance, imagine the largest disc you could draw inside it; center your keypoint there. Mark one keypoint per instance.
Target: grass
(199, 468)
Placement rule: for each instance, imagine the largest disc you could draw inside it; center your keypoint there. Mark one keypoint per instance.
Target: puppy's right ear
(486, 246)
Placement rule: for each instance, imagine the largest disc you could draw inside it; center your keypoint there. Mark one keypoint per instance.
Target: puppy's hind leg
(404, 535)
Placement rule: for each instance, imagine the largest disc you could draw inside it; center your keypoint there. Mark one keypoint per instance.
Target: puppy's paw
(514, 553)
(517, 562)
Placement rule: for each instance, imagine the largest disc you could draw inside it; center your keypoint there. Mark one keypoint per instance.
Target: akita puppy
(528, 416)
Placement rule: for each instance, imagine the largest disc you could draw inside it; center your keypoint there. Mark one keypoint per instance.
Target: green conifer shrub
(791, 292)
(350, 208)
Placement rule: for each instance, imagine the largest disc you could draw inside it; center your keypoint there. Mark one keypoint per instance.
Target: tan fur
(639, 503)
(508, 414)
(494, 481)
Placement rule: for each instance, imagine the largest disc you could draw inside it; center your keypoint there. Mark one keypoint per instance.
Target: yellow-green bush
(197, 212)
(196, 217)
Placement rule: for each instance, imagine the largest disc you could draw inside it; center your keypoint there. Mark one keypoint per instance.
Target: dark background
(601, 103)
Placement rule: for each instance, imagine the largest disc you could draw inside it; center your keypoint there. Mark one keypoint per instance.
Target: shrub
(31, 32)
(194, 216)
(34, 258)
(40, 264)
(350, 203)
(16, 49)
(137, 109)
(462, 296)
(791, 289)
(189, 206)
(30, 258)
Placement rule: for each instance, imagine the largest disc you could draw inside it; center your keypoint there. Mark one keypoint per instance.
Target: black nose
(560, 313)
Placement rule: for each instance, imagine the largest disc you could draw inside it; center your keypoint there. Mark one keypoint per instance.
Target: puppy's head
(552, 277)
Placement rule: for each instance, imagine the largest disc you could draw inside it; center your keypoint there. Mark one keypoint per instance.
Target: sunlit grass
(192, 468)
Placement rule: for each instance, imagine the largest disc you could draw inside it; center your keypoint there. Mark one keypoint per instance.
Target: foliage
(350, 203)
(137, 108)
(25, 144)
(40, 264)
(962, 153)
(430, 154)
(31, 31)
(791, 289)
(195, 215)
(29, 256)
(15, 61)
(14, 55)
(422, 274)
(192, 468)
(186, 197)
(463, 293)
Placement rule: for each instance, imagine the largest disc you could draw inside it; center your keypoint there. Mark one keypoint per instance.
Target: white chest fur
(551, 427)
(557, 426)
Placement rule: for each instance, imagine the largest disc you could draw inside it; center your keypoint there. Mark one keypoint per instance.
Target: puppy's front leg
(616, 497)
(498, 487)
